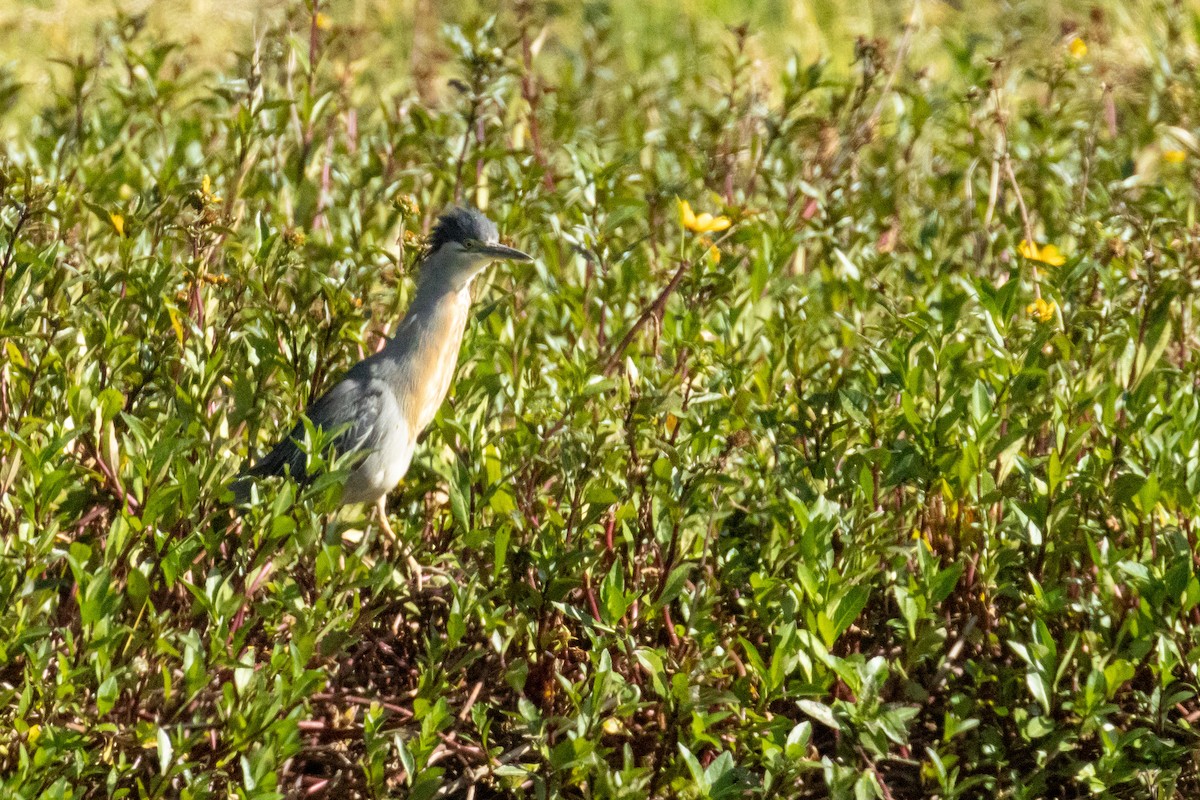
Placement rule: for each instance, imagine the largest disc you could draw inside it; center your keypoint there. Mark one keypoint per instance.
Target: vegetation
(879, 481)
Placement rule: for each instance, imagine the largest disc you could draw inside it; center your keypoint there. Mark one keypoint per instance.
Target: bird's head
(463, 242)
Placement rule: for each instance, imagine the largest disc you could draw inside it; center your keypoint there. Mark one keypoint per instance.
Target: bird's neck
(435, 288)
(436, 315)
(435, 318)
(426, 344)
(434, 297)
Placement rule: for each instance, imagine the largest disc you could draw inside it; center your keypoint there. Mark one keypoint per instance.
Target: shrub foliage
(860, 497)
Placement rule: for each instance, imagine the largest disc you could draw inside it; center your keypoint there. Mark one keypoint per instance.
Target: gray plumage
(461, 224)
(386, 400)
(347, 407)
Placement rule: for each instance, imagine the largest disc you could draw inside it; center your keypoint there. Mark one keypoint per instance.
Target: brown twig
(590, 593)
(901, 52)
(952, 654)
(461, 161)
(652, 311)
(471, 698)
(472, 776)
(531, 92)
(861, 133)
(112, 481)
(1006, 164)
(10, 251)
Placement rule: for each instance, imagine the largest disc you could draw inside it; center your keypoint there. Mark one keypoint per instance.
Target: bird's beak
(500, 252)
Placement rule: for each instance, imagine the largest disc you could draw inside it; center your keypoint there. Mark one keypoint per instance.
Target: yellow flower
(704, 223)
(118, 223)
(1047, 253)
(1041, 310)
(1077, 47)
(203, 197)
(1174, 156)
(323, 21)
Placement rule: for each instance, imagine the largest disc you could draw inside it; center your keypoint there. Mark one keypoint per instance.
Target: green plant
(858, 496)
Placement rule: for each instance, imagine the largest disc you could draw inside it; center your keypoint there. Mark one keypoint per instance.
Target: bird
(379, 408)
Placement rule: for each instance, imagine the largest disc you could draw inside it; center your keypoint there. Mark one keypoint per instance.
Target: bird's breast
(436, 357)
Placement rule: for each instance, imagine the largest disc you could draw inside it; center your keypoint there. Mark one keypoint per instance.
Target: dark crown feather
(461, 224)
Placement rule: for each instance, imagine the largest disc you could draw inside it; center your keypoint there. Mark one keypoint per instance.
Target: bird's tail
(285, 457)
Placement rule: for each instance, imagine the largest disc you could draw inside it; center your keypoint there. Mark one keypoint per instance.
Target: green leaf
(673, 585)
(943, 583)
(612, 594)
(1116, 675)
(137, 587)
(460, 490)
(820, 712)
(107, 694)
(1039, 689)
(165, 751)
(848, 607)
(694, 768)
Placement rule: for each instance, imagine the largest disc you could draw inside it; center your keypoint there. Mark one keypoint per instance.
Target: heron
(376, 412)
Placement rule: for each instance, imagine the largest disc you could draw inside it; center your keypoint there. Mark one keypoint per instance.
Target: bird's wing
(351, 407)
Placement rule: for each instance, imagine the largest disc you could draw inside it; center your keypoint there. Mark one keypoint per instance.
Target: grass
(858, 498)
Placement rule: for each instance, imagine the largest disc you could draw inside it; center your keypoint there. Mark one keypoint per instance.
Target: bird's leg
(413, 564)
(381, 507)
